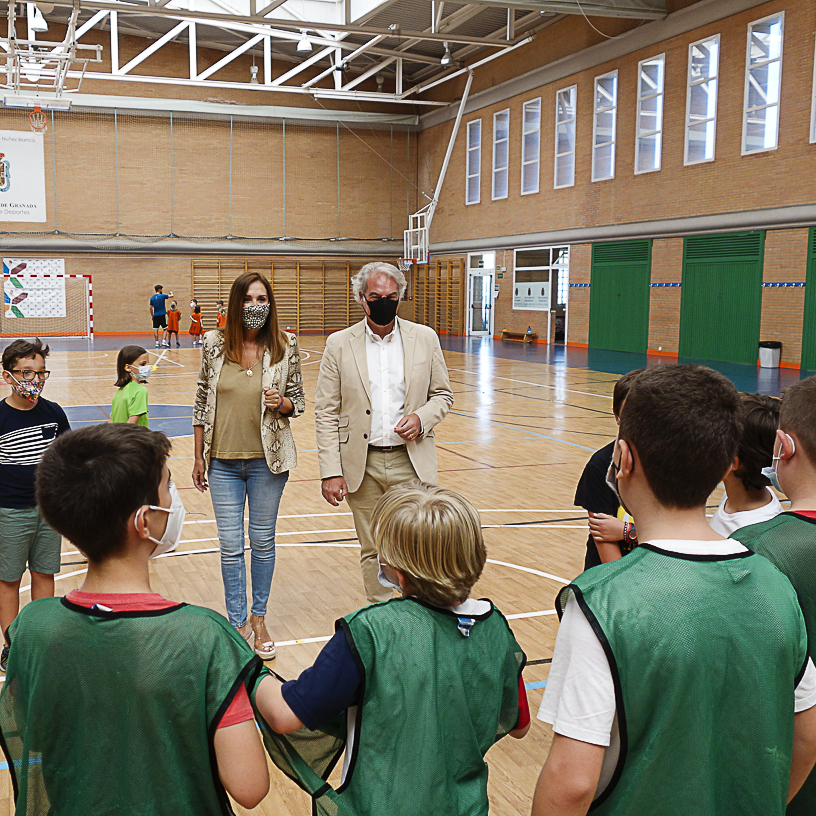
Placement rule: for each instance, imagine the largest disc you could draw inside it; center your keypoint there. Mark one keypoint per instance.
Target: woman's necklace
(250, 357)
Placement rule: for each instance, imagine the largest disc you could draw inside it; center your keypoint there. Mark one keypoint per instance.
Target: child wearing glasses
(28, 425)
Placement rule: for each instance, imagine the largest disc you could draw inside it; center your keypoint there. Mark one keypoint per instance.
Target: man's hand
(605, 529)
(334, 489)
(409, 427)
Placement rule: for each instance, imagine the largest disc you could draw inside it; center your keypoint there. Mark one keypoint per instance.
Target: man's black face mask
(382, 311)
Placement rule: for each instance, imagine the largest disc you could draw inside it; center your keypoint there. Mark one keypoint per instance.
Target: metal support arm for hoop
(415, 239)
(40, 65)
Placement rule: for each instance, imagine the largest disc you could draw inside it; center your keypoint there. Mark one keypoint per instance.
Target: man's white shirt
(579, 699)
(386, 383)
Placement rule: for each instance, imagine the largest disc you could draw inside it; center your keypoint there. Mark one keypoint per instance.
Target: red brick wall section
(783, 307)
(578, 303)
(664, 302)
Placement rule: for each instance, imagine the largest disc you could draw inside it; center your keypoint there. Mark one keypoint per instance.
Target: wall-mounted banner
(22, 176)
(33, 287)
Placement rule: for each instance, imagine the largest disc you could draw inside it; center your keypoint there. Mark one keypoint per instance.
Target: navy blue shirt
(158, 304)
(24, 436)
(331, 685)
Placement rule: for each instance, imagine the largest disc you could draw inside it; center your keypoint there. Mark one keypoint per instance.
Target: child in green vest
(130, 401)
(681, 683)
(789, 539)
(420, 687)
(117, 700)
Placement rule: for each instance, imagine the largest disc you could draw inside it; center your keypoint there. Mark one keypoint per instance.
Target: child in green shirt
(130, 401)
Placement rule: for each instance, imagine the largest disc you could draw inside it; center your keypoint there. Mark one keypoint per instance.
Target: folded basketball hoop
(37, 120)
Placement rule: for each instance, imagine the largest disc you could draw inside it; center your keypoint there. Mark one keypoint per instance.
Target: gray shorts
(25, 539)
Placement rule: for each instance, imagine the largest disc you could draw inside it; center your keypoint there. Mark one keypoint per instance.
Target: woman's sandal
(264, 649)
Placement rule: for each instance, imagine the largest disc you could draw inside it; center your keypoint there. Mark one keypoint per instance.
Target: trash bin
(769, 353)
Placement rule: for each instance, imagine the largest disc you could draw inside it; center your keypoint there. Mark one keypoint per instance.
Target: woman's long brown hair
(270, 336)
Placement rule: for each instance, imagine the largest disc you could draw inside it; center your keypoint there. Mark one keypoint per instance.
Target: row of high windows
(760, 120)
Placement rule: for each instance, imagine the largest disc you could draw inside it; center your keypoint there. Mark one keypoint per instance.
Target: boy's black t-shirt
(594, 495)
(24, 437)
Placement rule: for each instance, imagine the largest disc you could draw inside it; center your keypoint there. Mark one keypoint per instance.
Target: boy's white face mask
(175, 523)
(770, 473)
(381, 577)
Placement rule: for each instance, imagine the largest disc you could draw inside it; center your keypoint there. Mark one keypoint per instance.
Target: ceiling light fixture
(253, 69)
(446, 57)
(304, 46)
(36, 21)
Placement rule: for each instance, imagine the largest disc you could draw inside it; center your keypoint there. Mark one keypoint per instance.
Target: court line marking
(324, 638)
(536, 385)
(160, 357)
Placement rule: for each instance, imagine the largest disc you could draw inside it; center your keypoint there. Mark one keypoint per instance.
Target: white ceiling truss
(406, 53)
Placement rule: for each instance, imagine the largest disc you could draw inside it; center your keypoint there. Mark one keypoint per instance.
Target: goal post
(45, 304)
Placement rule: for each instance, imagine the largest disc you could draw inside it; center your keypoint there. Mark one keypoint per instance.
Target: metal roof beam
(631, 9)
(290, 25)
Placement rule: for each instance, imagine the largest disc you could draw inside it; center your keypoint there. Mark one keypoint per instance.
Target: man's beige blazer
(343, 402)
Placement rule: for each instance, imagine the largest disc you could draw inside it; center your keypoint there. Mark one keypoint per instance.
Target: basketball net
(406, 263)
(37, 120)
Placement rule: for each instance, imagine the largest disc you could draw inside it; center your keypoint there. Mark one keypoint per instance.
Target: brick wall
(664, 302)
(783, 307)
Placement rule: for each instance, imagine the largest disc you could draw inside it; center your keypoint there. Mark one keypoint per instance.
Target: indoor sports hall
(573, 189)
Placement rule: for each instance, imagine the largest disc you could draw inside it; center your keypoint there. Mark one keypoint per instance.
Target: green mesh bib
(108, 713)
(789, 541)
(705, 653)
(434, 701)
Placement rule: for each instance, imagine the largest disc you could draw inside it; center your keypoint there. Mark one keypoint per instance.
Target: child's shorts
(25, 538)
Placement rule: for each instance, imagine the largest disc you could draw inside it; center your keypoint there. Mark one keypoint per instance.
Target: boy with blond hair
(427, 682)
(681, 682)
(789, 539)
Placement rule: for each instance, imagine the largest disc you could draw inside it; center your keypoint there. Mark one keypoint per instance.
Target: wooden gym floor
(524, 422)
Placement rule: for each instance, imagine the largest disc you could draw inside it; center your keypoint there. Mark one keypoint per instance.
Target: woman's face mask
(255, 315)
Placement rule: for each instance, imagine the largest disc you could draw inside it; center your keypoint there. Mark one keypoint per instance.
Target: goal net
(40, 300)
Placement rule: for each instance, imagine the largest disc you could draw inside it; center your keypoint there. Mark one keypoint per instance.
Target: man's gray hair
(360, 280)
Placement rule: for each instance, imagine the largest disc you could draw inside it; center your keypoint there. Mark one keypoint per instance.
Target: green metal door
(809, 325)
(619, 296)
(721, 301)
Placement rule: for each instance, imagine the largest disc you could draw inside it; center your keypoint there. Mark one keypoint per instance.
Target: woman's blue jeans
(232, 482)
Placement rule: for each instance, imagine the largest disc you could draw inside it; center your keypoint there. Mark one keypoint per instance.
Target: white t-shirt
(579, 699)
(725, 523)
(386, 384)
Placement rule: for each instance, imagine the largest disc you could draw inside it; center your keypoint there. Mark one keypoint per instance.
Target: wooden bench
(519, 337)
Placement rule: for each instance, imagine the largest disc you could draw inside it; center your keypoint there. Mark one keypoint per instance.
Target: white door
(480, 304)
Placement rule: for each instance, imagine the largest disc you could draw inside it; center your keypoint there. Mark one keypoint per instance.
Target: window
(763, 79)
(701, 100)
(530, 146)
(813, 105)
(603, 127)
(474, 161)
(501, 139)
(535, 271)
(565, 137)
(649, 114)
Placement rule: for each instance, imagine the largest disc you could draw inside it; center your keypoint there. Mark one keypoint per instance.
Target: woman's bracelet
(280, 404)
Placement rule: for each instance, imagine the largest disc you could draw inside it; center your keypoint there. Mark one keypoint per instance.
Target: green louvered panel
(746, 246)
(721, 302)
(809, 325)
(619, 296)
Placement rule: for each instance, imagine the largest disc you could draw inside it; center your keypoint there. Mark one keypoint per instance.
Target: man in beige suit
(382, 388)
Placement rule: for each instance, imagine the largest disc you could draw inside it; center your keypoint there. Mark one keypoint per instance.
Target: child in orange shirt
(173, 317)
(220, 315)
(196, 329)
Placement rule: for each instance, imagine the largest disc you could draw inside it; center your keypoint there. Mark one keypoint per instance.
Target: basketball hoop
(37, 120)
(406, 263)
